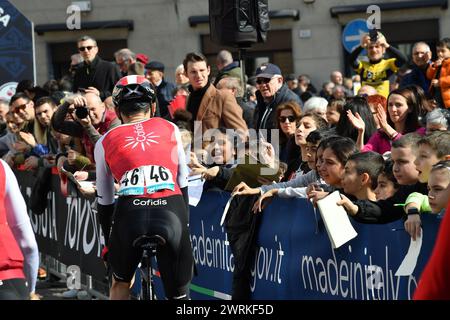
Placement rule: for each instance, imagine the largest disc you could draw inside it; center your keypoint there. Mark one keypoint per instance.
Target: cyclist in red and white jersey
(19, 255)
(145, 155)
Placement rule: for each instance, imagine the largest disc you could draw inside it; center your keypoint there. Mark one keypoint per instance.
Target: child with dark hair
(403, 154)
(431, 149)
(388, 210)
(331, 165)
(356, 107)
(439, 74)
(221, 156)
(360, 175)
(336, 152)
(334, 110)
(308, 122)
(439, 187)
(387, 184)
(435, 201)
(182, 118)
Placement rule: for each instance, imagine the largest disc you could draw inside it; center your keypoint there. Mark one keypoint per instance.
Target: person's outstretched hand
(243, 189)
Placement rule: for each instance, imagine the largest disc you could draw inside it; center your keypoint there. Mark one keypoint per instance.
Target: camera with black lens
(81, 112)
(373, 34)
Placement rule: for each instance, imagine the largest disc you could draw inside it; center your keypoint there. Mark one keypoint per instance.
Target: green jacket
(420, 199)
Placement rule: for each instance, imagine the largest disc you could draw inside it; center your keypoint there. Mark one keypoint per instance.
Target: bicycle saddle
(147, 242)
(164, 228)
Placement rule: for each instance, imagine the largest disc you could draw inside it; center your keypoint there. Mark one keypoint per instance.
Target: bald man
(421, 58)
(227, 67)
(98, 121)
(367, 90)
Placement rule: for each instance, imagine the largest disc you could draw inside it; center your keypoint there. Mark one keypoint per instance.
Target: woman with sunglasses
(288, 114)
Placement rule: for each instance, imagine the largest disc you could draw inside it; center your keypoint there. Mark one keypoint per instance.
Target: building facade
(305, 35)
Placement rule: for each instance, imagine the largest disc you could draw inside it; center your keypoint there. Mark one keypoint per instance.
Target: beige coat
(219, 109)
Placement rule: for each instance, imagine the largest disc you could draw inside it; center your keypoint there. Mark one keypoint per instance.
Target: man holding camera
(86, 117)
(377, 70)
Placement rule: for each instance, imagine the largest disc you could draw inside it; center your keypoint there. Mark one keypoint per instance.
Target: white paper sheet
(409, 262)
(225, 211)
(86, 184)
(335, 218)
(195, 189)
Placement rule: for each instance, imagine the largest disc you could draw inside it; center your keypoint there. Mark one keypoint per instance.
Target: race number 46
(146, 179)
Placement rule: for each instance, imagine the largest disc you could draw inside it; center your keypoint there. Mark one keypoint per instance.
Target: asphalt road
(53, 289)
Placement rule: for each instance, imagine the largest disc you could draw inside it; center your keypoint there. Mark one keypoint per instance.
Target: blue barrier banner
(294, 259)
(17, 49)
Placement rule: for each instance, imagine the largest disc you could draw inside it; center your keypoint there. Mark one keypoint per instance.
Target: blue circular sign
(351, 36)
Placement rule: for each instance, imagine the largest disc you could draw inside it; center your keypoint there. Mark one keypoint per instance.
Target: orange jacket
(444, 80)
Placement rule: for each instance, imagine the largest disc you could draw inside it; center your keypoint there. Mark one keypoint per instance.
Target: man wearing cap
(271, 92)
(138, 68)
(164, 89)
(142, 58)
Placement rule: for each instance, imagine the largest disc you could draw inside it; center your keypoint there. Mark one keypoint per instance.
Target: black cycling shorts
(132, 219)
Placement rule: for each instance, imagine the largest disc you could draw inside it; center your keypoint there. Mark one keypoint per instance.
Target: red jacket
(434, 283)
(444, 80)
(11, 258)
(102, 128)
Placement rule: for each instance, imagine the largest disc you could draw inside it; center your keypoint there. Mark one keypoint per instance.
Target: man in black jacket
(164, 89)
(94, 72)
(271, 93)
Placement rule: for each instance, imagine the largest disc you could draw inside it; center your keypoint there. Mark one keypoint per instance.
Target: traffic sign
(351, 36)
(17, 43)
